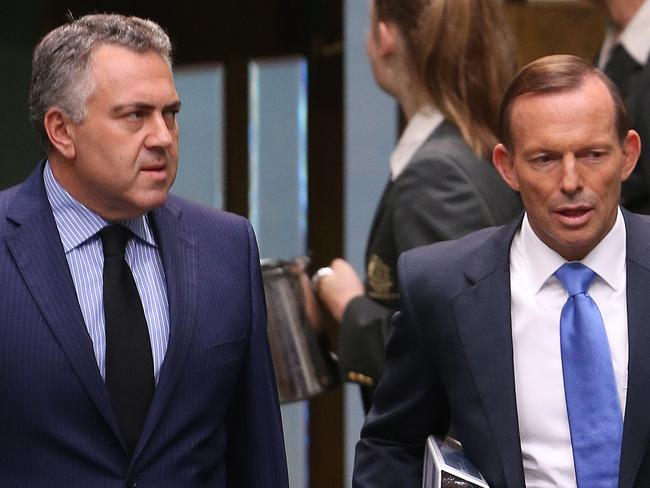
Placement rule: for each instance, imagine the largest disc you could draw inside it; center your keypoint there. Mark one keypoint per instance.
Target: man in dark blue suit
(625, 57)
(133, 348)
(495, 328)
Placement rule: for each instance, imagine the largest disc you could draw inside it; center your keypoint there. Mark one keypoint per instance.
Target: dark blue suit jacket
(214, 419)
(450, 360)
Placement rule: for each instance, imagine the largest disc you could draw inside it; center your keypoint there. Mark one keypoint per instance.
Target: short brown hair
(552, 74)
(464, 54)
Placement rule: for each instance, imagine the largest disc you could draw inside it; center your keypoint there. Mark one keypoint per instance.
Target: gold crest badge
(380, 281)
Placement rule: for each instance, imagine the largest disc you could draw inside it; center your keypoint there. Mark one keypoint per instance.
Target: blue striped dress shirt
(78, 227)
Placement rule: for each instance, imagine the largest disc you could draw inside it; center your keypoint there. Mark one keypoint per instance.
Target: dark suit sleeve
(365, 325)
(409, 405)
(256, 454)
(437, 200)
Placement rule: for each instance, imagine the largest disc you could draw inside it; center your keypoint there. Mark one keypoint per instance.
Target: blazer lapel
(484, 324)
(38, 253)
(377, 217)
(178, 254)
(637, 421)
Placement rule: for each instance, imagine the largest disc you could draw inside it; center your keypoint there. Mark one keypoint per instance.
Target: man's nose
(570, 176)
(160, 134)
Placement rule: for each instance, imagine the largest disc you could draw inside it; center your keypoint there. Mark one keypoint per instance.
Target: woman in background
(447, 63)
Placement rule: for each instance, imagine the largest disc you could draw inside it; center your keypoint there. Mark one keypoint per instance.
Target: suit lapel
(38, 253)
(637, 420)
(442, 131)
(377, 217)
(484, 323)
(178, 254)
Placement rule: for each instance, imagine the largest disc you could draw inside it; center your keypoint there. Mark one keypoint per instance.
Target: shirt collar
(634, 38)
(606, 259)
(418, 129)
(77, 223)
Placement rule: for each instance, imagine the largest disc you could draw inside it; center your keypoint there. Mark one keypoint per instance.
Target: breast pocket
(226, 352)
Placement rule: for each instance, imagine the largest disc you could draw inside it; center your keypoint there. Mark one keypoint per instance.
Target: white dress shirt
(537, 300)
(419, 128)
(635, 38)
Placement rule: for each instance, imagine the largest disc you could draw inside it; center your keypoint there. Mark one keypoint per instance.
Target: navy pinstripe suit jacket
(214, 419)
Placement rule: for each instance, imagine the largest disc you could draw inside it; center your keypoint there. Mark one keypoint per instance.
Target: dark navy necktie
(593, 408)
(620, 67)
(129, 362)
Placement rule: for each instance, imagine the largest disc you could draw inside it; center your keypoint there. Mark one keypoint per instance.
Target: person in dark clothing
(447, 63)
(624, 57)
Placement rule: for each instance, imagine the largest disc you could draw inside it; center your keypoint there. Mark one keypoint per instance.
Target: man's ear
(504, 163)
(631, 152)
(57, 127)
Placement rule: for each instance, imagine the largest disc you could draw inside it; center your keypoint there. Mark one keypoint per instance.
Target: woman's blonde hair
(464, 54)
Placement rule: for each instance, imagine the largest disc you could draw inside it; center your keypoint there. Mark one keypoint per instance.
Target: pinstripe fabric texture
(78, 227)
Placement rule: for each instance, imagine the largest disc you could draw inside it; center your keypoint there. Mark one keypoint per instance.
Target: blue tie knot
(575, 277)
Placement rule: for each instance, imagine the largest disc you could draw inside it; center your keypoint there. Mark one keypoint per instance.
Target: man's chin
(575, 248)
(156, 201)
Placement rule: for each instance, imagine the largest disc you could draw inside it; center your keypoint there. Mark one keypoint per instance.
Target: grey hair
(61, 74)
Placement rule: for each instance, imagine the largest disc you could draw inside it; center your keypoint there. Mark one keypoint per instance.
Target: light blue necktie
(592, 403)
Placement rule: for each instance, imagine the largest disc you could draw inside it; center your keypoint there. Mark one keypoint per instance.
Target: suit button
(131, 483)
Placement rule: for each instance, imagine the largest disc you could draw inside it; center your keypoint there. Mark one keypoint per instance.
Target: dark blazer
(451, 358)
(214, 419)
(444, 193)
(635, 88)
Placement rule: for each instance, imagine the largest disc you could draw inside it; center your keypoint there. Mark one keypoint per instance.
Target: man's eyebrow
(126, 107)
(174, 106)
(146, 107)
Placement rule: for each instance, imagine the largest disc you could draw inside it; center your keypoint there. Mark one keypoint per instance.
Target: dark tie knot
(114, 239)
(621, 60)
(575, 277)
(620, 67)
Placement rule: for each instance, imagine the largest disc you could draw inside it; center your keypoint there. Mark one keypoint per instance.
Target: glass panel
(278, 155)
(201, 127)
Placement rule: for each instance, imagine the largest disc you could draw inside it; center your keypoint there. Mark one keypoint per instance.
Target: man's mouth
(158, 171)
(153, 167)
(574, 216)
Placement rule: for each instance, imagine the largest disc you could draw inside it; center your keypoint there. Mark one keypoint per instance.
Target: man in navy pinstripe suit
(104, 104)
